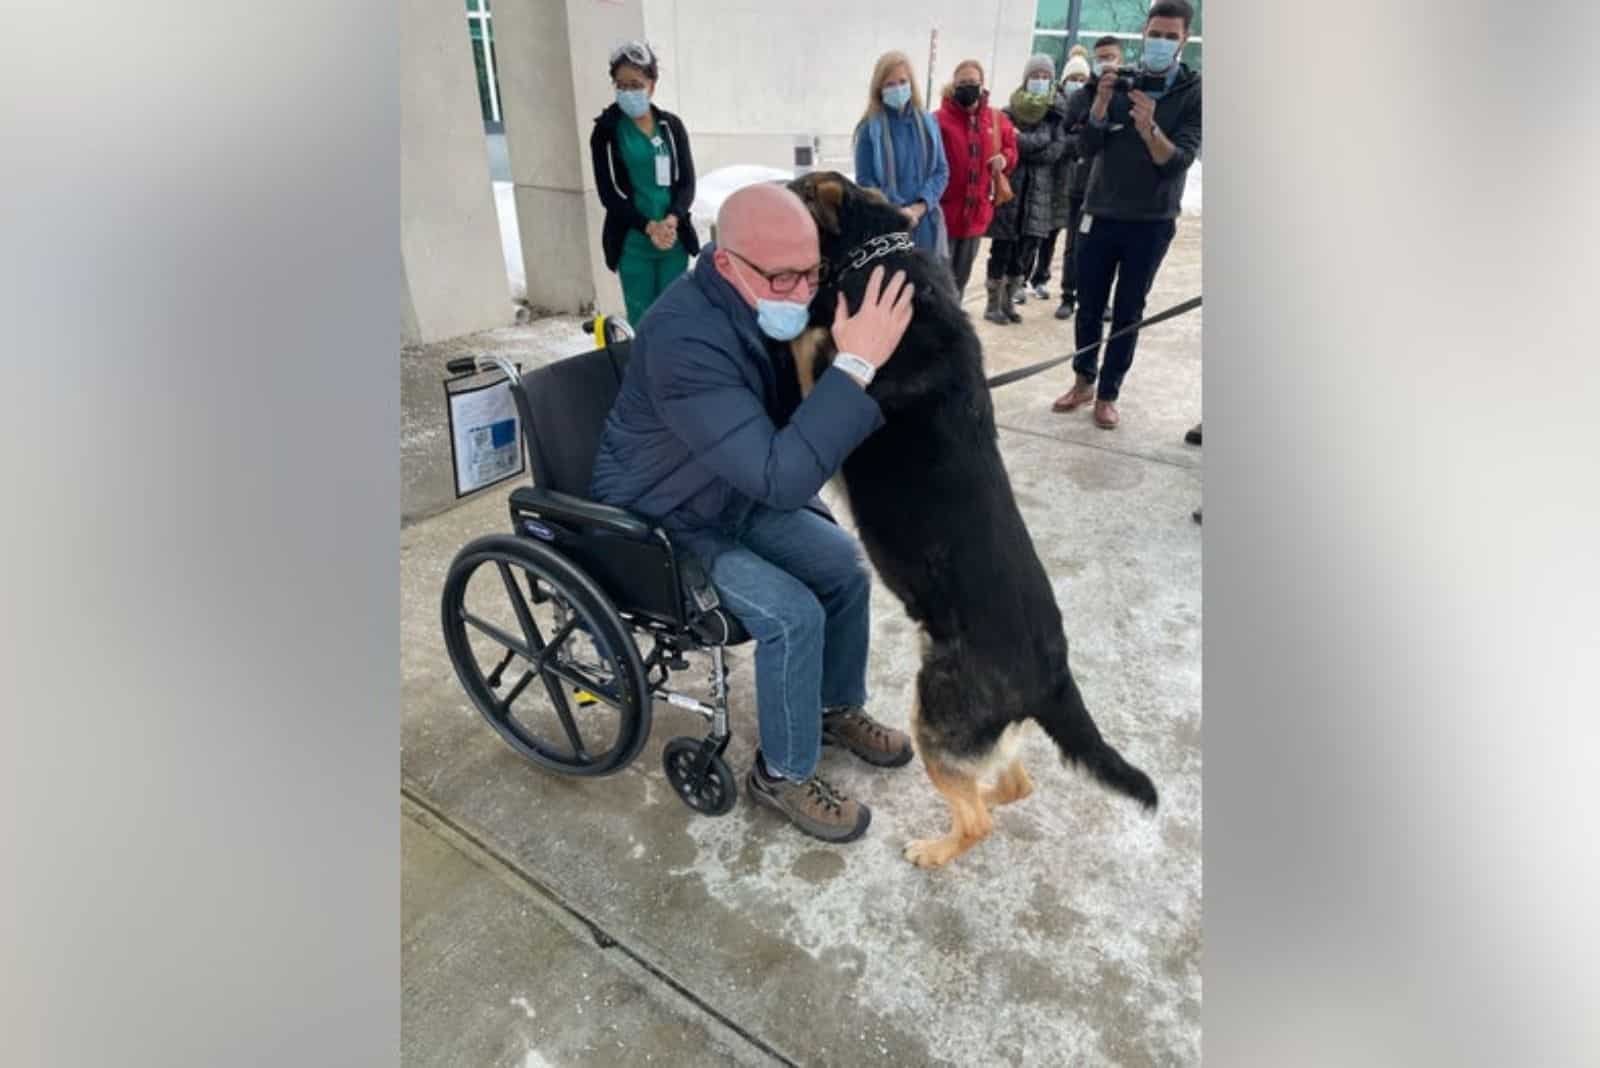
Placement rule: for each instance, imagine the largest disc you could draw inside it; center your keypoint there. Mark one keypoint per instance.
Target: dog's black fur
(937, 516)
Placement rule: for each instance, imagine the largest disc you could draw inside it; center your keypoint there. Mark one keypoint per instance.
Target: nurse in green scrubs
(645, 176)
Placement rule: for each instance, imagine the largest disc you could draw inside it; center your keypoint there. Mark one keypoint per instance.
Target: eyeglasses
(783, 282)
(636, 52)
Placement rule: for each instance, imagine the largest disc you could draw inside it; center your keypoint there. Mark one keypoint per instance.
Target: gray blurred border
(199, 818)
(1402, 660)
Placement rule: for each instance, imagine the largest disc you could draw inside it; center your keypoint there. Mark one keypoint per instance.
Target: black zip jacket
(616, 189)
(1124, 182)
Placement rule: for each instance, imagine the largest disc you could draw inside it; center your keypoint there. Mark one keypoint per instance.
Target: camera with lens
(1129, 80)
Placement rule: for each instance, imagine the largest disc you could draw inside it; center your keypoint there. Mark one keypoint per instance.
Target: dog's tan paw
(931, 852)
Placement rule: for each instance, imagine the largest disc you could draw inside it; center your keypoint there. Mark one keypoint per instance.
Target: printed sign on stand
(485, 434)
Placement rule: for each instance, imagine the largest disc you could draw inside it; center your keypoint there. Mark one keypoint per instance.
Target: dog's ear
(829, 197)
(873, 196)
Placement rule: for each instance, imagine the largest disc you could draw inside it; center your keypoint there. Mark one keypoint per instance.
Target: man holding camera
(1143, 132)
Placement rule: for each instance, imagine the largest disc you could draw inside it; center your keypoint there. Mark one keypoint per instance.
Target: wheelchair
(545, 625)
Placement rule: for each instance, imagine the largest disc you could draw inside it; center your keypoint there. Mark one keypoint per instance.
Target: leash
(1028, 372)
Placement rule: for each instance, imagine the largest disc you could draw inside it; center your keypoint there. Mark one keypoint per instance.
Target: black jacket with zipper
(616, 188)
(1124, 181)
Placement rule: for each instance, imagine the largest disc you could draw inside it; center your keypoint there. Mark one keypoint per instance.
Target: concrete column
(454, 270)
(553, 83)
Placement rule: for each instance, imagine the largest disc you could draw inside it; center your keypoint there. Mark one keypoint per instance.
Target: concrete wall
(747, 77)
(449, 235)
(553, 82)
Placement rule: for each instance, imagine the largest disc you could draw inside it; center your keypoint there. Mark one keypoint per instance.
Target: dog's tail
(1067, 722)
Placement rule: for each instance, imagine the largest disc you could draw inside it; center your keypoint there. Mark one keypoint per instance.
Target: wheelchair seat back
(564, 407)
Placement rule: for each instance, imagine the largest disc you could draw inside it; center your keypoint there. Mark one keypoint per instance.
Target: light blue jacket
(920, 169)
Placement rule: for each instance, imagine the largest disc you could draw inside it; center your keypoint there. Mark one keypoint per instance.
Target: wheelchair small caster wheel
(711, 791)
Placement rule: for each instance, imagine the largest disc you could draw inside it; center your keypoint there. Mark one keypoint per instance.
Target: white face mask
(1038, 86)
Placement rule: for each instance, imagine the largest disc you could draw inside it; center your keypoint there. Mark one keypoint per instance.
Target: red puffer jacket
(968, 144)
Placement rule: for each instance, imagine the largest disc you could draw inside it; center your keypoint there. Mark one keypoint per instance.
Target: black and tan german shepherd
(937, 516)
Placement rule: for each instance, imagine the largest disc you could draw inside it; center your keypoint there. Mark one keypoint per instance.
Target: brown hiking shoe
(866, 737)
(1076, 397)
(813, 806)
(1105, 415)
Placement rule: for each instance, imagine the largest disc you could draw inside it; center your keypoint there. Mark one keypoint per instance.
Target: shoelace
(878, 731)
(823, 792)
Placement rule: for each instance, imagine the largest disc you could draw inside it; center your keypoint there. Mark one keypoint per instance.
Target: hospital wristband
(855, 366)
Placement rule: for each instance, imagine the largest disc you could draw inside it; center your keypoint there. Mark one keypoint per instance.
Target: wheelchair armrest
(582, 513)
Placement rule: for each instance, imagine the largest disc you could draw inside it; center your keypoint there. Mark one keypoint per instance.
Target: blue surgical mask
(781, 320)
(1158, 54)
(633, 102)
(896, 96)
(1071, 87)
(1100, 68)
(1038, 86)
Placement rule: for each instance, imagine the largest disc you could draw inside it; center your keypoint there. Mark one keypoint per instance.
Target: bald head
(771, 229)
(761, 212)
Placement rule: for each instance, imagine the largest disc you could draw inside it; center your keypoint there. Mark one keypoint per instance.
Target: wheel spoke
(519, 605)
(567, 675)
(568, 724)
(500, 636)
(516, 692)
(557, 640)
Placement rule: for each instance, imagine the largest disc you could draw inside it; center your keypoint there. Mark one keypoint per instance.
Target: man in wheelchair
(710, 438)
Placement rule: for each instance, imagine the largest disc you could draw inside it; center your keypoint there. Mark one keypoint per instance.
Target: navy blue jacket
(702, 430)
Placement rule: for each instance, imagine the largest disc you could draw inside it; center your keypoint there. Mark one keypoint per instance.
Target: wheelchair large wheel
(516, 613)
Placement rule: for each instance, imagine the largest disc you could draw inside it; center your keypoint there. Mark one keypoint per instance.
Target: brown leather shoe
(866, 738)
(1074, 398)
(1105, 415)
(814, 806)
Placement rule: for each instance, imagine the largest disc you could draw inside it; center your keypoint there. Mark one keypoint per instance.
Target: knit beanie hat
(1075, 65)
(1040, 61)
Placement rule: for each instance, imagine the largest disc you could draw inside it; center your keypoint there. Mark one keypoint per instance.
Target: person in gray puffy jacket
(1069, 179)
(1023, 222)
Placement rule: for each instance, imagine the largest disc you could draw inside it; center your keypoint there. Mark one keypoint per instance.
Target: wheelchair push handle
(471, 365)
(607, 330)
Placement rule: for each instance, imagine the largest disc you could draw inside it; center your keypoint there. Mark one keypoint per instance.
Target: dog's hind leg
(1012, 785)
(969, 818)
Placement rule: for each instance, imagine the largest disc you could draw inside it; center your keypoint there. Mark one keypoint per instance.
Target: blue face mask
(1158, 54)
(781, 320)
(633, 102)
(1038, 86)
(1071, 87)
(896, 96)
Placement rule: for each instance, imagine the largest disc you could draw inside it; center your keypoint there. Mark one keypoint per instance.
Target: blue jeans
(799, 585)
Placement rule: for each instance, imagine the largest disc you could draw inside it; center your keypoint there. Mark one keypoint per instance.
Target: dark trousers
(1010, 259)
(1134, 251)
(1039, 272)
(963, 253)
(1047, 251)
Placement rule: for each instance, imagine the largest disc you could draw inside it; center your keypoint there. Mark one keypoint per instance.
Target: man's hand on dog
(876, 328)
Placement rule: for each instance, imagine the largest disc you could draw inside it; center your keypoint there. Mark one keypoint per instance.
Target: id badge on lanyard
(663, 163)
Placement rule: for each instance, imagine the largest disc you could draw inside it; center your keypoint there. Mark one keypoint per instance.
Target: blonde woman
(899, 151)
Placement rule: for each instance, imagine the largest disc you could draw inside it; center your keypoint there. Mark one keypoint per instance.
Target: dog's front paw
(931, 852)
